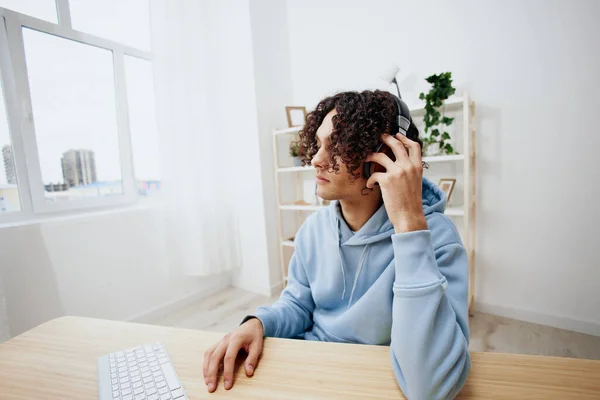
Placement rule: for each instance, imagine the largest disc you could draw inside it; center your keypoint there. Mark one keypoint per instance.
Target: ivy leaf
(422, 96)
(435, 133)
(446, 136)
(447, 120)
(449, 148)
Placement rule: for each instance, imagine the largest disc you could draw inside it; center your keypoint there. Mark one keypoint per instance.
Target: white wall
(111, 266)
(532, 69)
(270, 43)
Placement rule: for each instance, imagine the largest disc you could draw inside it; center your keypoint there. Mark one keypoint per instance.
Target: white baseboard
(576, 325)
(165, 309)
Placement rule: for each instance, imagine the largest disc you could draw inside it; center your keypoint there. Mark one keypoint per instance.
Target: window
(124, 21)
(142, 124)
(74, 112)
(77, 111)
(9, 192)
(42, 9)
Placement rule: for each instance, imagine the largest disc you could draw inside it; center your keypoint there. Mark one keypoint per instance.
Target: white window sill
(142, 204)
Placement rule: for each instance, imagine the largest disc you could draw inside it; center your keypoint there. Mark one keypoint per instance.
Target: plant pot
(298, 162)
(432, 150)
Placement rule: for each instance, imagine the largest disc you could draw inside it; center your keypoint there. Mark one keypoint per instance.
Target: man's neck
(356, 212)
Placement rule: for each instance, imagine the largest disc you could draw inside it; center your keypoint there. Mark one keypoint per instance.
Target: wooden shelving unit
(467, 158)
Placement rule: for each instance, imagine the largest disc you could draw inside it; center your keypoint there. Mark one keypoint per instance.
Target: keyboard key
(160, 380)
(137, 385)
(166, 396)
(126, 392)
(177, 393)
(135, 378)
(115, 394)
(163, 390)
(145, 369)
(122, 375)
(137, 391)
(140, 397)
(146, 374)
(153, 364)
(153, 397)
(125, 385)
(148, 386)
(151, 391)
(128, 397)
(113, 375)
(155, 368)
(114, 381)
(148, 379)
(115, 387)
(135, 372)
(170, 376)
(163, 360)
(157, 374)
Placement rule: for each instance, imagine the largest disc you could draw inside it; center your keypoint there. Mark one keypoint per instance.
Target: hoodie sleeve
(430, 332)
(291, 315)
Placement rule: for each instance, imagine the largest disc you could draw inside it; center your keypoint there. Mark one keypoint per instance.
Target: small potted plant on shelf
(436, 140)
(294, 146)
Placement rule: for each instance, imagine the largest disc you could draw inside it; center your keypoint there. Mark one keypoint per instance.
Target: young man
(381, 265)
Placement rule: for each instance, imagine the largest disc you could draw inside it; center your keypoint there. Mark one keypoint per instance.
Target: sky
(73, 93)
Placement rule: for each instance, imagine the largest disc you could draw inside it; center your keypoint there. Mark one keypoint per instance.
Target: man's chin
(327, 195)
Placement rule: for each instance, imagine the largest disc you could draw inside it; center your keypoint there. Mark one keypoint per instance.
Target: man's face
(330, 185)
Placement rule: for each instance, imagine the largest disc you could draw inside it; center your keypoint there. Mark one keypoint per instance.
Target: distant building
(78, 167)
(9, 165)
(56, 187)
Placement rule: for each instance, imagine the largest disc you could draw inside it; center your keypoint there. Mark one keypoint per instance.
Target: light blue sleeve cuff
(268, 320)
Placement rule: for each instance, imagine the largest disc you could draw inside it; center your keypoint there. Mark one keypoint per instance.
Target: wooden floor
(224, 311)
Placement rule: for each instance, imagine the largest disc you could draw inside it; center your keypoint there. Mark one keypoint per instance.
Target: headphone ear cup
(371, 167)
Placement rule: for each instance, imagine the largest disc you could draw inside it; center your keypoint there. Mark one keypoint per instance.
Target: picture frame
(447, 186)
(295, 115)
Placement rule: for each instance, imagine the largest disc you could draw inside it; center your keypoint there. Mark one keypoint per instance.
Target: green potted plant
(294, 146)
(436, 140)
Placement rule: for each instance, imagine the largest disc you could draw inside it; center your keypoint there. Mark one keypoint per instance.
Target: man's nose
(318, 161)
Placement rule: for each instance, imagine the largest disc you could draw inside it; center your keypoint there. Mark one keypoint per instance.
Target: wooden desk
(57, 360)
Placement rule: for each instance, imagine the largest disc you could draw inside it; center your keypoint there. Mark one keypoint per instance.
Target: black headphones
(403, 121)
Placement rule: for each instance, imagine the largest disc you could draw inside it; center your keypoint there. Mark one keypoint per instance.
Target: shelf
(453, 157)
(300, 207)
(455, 211)
(288, 243)
(452, 103)
(287, 130)
(296, 169)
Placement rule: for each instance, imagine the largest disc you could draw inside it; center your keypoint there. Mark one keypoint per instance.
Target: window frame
(15, 81)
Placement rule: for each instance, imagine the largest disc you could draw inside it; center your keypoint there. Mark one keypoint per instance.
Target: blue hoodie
(406, 290)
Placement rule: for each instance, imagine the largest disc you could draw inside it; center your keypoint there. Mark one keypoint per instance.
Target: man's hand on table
(248, 336)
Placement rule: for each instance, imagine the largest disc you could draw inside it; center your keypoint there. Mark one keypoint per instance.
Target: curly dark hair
(361, 119)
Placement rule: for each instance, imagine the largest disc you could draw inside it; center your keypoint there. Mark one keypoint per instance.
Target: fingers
(414, 150)
(214, 364)
(254, 352)
(396, 146)
(381, 159)
(229, 362)
(207, 355)
(377, 177)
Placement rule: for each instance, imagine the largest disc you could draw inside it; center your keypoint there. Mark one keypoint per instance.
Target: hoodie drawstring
(360, 265)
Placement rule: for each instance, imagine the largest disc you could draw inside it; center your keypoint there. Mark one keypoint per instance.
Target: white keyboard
(141, 373)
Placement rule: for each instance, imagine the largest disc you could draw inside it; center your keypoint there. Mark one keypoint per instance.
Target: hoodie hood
(379, 226)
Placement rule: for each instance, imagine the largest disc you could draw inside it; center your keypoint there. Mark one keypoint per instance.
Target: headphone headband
(403, 115)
